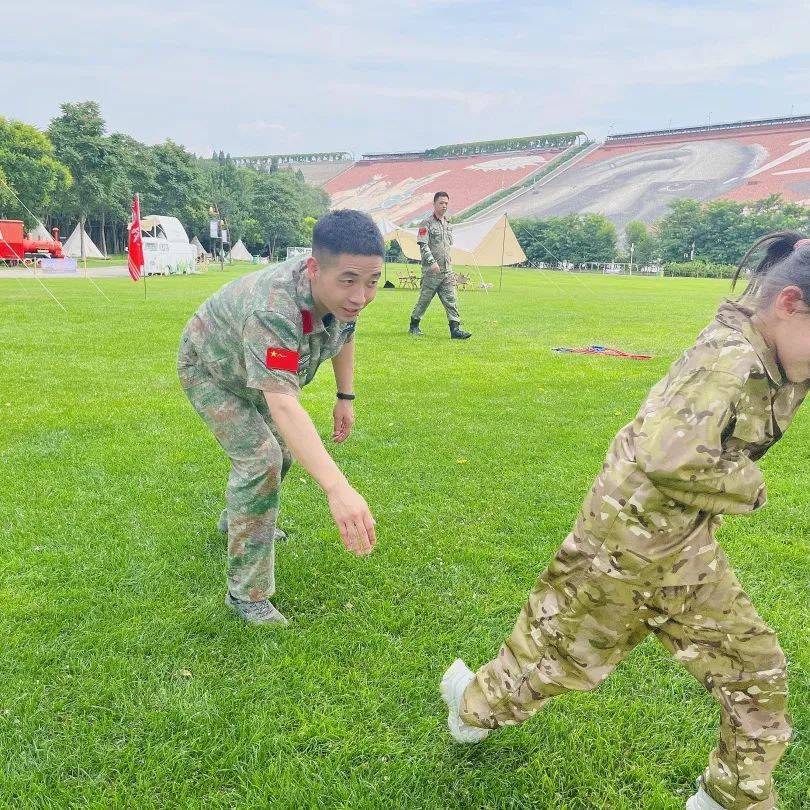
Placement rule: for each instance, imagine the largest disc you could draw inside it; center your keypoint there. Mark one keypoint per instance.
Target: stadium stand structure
(317, 167)
(636, 175)
(400, 186)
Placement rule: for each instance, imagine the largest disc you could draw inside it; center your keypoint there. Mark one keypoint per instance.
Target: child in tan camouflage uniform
(642, 557)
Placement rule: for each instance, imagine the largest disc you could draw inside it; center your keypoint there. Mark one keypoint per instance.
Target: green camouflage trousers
(259, 461)
(579, 623)
(441, 284)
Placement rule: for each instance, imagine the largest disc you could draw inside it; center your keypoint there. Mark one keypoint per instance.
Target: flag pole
(135, 260)
(138, 197)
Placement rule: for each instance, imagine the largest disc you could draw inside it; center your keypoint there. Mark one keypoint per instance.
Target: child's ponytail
(785, 263)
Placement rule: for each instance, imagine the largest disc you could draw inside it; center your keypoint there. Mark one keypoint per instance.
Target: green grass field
(125, 682)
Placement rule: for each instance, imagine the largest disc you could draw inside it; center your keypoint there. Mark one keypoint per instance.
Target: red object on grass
(605, 351)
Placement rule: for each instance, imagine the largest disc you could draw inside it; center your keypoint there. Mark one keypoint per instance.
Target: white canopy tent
(73, 246)
(240, 252)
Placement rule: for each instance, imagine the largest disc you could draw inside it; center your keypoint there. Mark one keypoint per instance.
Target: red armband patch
(281, 359)
(306, 321)
(422, 231)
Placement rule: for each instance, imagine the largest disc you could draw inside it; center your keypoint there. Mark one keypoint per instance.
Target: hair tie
(801, 243)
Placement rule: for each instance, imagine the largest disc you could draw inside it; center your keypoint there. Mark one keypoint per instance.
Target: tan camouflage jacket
(689, 457)
(435, 238)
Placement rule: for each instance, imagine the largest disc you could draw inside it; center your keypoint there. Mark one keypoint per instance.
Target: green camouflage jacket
(435, 238)
(260, 333)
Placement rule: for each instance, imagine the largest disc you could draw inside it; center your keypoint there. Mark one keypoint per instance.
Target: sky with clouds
(261, 77)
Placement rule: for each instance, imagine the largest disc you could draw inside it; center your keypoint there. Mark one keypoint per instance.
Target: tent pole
(503, 248)
(480, 274)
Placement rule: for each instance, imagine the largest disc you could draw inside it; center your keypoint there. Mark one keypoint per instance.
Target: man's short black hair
(440, 194)
(347, 231)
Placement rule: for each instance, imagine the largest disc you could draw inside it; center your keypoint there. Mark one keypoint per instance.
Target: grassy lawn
(125, 682)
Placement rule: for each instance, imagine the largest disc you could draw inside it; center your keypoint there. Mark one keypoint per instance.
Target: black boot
(457, 333)
(415, 330)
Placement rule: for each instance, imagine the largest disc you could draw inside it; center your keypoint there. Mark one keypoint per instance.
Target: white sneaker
(452, 687)
(701, 800)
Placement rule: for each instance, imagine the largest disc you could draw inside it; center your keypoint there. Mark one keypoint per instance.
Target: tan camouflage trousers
(441, 284)
(579, 623)
(259, 461)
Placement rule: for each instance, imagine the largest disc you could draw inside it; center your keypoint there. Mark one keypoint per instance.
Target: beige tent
(388, 229)
(202, 253)
(488, 242)
(73, 246)
(240, 252)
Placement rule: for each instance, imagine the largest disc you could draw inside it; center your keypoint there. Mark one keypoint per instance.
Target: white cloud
(407, 73)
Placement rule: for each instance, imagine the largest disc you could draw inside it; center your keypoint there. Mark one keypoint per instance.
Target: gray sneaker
(222, 527)
(262, 612)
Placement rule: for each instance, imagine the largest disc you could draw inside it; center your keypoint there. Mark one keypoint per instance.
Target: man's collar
(304, 299)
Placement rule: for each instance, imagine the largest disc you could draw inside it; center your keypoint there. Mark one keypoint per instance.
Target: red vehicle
(15, 248)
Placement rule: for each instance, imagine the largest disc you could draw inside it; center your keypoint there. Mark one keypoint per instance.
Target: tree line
(74, 172)
(713, 233)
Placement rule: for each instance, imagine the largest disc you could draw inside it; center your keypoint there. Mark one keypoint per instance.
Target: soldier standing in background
(435, 239)
(642, 557)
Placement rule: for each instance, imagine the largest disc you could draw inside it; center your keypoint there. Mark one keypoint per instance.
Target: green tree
(131, 169)
(278, 208)
(643, 242)
(179, 188)
(78, 141)
(723, 235)
(723, 230)
(679, 230)
(576, 238)
(230, 189)
(29, 169)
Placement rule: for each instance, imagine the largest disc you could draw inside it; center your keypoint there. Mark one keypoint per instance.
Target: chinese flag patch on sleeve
(422, 231)
(281, 359)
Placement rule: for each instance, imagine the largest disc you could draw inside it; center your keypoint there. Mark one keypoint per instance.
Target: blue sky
(256, 77)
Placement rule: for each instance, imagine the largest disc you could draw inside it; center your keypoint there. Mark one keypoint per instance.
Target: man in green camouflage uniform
(435, 238)
(243, 359)
(642, 558)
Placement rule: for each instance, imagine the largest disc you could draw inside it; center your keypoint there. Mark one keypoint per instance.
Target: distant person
(643, 558)
(435, 239)
(243, 360)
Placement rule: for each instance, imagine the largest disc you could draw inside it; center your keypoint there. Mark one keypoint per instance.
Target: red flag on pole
(135, 260)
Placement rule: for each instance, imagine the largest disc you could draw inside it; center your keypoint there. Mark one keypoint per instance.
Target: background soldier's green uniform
(435, 238)
(244, 341)
(642, 558)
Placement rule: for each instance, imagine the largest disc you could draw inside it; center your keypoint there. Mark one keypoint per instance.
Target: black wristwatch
(341, 395)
